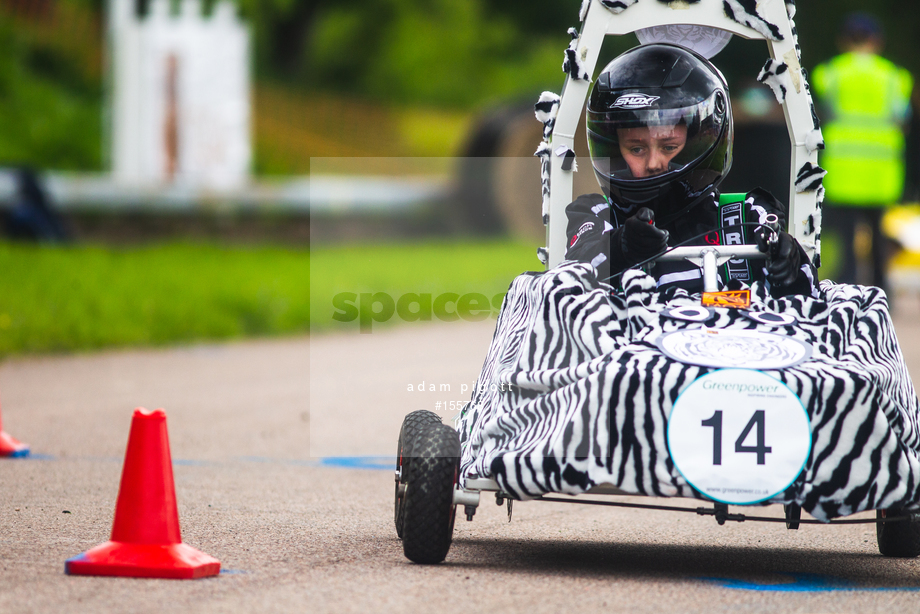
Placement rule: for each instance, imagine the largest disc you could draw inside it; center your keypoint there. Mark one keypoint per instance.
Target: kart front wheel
(428, 503)
(900, 539)
(411, 426)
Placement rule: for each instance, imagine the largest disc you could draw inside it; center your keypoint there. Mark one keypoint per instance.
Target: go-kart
(734, 398)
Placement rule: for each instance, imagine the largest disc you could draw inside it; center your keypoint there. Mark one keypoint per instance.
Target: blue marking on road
(360, 462)
(233, 571)
(34, 456)
(185, 462)
(283, 461)
(29, 455)
(343, 462)
(805, 583)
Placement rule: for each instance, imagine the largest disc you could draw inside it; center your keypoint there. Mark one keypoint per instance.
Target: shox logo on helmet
(635, 101)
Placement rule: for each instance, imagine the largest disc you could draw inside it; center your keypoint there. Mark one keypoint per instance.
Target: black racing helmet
(659, 129)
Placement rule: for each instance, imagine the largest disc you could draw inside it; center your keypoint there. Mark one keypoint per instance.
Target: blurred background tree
(51, 93)
(450, 53)
(365, 77)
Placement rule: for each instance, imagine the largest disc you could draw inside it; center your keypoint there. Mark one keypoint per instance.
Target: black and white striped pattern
(544, 151)
(618, 6)
(809, 177)
(574, 393)
(776, 75)
(572, 63)
(814, 140)
(814, 223)
(545, 110)
(745, 13)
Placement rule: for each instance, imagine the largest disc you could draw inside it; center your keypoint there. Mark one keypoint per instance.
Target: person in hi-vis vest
(865, 104)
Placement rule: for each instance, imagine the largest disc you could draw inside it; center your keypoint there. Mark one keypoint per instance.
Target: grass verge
(78, 298)
(345, 279)
(62, 299)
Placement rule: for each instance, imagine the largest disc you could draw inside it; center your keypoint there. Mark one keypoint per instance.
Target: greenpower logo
(740, 387)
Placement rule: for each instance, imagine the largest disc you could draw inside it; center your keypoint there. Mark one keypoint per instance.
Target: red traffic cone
(10, 446)
(145, 542)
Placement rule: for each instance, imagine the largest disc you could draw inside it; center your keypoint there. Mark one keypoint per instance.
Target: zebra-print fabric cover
(776, 75)
(573, 62)
(809, 177)
(618, 6)
(574, 393)
(745, 13)
(545, 110)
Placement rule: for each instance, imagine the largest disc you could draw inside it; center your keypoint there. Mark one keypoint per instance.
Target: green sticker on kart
(739, 436)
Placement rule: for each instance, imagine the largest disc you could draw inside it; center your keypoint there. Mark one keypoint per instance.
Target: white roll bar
(771, 22)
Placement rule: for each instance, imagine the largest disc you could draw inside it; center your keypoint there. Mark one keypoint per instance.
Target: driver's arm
(588, 230)
(788, 270)
(611, 249)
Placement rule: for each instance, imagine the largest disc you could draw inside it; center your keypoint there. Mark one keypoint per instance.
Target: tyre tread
(429, 511)
(413, 423)
(898, 539)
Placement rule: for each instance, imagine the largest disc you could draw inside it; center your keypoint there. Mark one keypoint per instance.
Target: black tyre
(901, 539)
(411, 426)
(429, 510)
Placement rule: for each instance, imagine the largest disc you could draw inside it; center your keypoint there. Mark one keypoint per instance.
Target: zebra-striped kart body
(578, 388)
(588, 389)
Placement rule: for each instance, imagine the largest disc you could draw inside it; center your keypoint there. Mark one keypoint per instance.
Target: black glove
(639, 239)
(783, 258)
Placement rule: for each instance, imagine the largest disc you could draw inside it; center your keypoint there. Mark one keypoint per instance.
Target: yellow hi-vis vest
(869, 99)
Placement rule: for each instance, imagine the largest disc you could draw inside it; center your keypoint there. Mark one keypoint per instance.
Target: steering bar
(710, 257)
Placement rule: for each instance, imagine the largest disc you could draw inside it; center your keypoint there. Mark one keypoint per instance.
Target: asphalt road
(252, 428)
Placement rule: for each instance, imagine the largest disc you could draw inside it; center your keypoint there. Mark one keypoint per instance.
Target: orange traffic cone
(10, 446)
(146, 541)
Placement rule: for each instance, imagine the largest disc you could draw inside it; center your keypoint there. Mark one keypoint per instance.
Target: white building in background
(179, 95)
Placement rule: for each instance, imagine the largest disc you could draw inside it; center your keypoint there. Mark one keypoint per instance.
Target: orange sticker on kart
(736, 299)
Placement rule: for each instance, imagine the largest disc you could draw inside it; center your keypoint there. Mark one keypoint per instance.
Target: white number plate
(739, 436)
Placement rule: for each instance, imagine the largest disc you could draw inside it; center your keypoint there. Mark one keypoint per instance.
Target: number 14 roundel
(739, 436)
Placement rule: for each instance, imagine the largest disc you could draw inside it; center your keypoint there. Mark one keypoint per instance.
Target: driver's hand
(783, 259)
(640, 239)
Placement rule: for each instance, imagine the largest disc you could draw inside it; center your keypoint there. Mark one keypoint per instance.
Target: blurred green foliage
(435, 268)
(466, 52)
(453, 53)
(448, 54)
(293, 125)
(61, 299)
(51, 88)
(56, 299)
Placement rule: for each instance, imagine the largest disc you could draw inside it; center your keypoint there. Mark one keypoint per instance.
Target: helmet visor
(634, 145)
